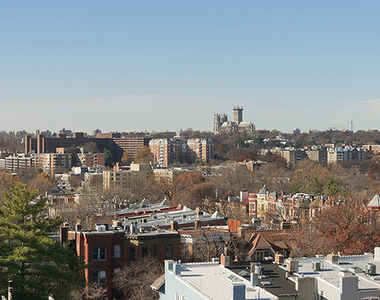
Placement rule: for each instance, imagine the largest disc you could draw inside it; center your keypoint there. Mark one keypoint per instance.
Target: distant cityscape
(239, 197)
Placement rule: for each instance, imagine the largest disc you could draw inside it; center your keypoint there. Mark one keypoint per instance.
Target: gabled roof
(165, 202)
(256, 241)
(305, 204)
(145, 202)
(264, 190)
(278, 240)
(317, 202)
(375, 202)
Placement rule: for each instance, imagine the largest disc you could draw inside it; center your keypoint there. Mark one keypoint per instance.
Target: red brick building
(107, 251)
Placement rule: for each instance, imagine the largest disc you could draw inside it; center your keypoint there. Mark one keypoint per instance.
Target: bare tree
(135, 279)
(90, 292)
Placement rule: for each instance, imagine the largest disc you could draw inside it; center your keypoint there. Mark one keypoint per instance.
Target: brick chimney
(64, 234)
(197, 224)
(225, 260)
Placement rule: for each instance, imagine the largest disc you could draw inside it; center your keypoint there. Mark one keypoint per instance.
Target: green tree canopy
(107, 158)
(38, 265)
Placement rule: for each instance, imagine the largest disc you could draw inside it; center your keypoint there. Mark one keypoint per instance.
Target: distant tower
(238, 114)
(216, 123)
(219, 119)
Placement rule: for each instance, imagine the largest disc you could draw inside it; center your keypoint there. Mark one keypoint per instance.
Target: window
(132, 253)
(154, 251)
(116, 251)
(186, 250)
(116, 270)
(99, 253)
(99, 277)
(144, 252)
(169, 252)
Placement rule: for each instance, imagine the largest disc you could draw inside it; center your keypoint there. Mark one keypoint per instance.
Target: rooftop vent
(317, 266)
(370, 269)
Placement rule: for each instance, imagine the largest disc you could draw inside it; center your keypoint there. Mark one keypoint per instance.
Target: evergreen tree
(38, 265)
(107, 158)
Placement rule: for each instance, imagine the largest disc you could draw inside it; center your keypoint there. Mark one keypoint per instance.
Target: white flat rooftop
(213, 281)
(330, 271)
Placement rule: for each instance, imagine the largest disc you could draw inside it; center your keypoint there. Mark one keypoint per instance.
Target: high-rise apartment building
(111, 141)
(181, 149)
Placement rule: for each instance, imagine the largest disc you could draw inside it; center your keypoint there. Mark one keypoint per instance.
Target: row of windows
(100, 276)
(100, 252)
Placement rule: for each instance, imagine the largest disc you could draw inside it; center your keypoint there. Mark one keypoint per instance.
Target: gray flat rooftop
(273, 274)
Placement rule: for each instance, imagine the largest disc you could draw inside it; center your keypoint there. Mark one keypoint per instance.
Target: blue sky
(170, 65)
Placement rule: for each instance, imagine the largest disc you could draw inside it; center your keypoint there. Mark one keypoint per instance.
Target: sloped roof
(157, 284)
(165, 202)
(257, 241)
(264, 190)
(245, 201)
(317, 202)
(278, 240)
(305, 204)
(375, 202)
(145, 202)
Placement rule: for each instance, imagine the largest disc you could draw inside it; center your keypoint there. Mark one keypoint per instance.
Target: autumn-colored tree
(127, 158)
(345, 227)
(310, 177)
(144, 155)
(183, 184)
(91, 147)
(42, 183)
(202, 191)
(7, 181)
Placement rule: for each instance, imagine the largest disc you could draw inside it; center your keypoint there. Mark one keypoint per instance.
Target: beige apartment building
(181, 149)
(119, 178)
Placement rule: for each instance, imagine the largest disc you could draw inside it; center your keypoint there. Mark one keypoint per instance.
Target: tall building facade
(111, 141)
(180, 148)
(222, 125)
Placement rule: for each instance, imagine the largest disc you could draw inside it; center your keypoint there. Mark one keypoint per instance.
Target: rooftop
(273, 274)
(332, 271)
(213, 281)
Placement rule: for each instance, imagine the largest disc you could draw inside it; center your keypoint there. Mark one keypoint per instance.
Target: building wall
(167, 151)
(113, 178)
(114, 143)
(174, 286)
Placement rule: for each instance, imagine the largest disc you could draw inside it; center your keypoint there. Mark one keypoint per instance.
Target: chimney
(197, 224)
(279, 258)
(63, 234)
(241, 232)
(377, 253)
(78, 227)
(237, 291)
(225, 260)
(254, 279)
(177, 268)
(174, 226)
